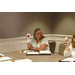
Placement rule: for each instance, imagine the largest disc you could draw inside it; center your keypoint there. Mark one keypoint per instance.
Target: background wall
(18, 24)
(63, 23)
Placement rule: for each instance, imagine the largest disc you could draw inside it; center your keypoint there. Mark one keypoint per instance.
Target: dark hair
(73, 43)
(38, 29)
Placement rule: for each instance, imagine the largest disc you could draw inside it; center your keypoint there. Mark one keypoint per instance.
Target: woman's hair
(38, 29)
(72, 41)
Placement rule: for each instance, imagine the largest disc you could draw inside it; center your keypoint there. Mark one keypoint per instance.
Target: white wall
(19, 43)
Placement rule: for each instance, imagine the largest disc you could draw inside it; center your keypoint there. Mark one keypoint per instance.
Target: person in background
(38, 42)
(70, 47)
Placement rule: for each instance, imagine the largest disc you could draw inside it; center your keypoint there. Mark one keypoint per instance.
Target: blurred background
(18, 24)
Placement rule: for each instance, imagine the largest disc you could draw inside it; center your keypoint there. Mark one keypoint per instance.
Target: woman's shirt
(34, 43)
(71, 51)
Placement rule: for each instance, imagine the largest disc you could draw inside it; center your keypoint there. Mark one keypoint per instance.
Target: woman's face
(74, 39)
(38, 34)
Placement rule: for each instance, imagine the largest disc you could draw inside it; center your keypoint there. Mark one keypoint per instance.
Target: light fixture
(31, 16)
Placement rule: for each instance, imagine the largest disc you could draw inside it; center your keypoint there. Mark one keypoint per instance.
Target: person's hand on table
(32, 48)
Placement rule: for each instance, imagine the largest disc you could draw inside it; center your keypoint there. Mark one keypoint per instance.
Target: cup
(28, 37)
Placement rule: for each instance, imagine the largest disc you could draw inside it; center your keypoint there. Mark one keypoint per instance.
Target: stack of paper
(23, 60)
(5, 58)
(68, 60)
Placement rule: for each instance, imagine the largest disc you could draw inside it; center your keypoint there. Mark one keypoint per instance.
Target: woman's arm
(44, 44)
(67, 50)
(29, 46)
(67, 53)
(67, 41)
(42, 47)
(67, 47)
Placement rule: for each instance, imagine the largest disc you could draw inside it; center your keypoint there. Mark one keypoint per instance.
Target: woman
(38, 42)
(70, 50)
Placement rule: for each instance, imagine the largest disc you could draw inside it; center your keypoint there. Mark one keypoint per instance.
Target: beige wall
(41, 20)
(63, 23)
(17, 24)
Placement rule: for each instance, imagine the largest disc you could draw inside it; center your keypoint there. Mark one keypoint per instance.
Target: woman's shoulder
(44, 39)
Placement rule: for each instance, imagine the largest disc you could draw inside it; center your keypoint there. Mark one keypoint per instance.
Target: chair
(52, 45)
(62, 47)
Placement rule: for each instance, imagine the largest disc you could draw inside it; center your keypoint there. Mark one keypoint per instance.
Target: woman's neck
(37, 40)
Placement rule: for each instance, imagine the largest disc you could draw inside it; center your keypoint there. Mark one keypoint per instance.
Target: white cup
(28, 37)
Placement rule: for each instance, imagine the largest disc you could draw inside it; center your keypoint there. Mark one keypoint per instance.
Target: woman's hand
(28, 40)
(67, 40)
(32, 48)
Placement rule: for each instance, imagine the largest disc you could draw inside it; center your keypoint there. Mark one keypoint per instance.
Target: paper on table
(69, 59)
(45, 52)
(7, 61)
(32, 53)
(5, 58)
(25, 51)
(23, 60)
(1, 55)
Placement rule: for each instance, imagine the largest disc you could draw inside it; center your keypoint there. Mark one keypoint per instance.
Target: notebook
(45, 52)
(68, 60)
(32, 53)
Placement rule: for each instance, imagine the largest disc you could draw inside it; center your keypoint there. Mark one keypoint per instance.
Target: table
(15, 55)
